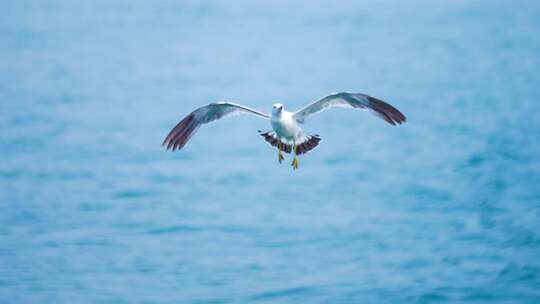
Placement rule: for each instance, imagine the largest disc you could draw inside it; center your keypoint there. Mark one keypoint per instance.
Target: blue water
(445, 208)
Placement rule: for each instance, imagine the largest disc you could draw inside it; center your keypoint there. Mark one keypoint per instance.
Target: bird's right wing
(186, 128)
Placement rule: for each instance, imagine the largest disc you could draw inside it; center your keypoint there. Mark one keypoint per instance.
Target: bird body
(285, 126)
(287, 135)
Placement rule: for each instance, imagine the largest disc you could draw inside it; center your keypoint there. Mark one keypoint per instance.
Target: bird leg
(280, 155)
(295, 160)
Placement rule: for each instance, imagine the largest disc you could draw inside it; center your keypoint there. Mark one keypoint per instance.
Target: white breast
(286, 127)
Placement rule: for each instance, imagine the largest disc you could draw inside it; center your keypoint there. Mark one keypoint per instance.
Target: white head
(277, 108)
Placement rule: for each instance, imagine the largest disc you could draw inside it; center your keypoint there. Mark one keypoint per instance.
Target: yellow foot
(280, 157)
(295, 163)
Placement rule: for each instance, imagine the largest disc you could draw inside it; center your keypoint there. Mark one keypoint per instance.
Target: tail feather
(309, 144)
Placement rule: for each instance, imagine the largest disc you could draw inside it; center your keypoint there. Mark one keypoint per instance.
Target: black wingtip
(181, 133)
(390, 114)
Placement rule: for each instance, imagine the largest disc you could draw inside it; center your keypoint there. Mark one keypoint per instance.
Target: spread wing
(354, 101)
(186, 128)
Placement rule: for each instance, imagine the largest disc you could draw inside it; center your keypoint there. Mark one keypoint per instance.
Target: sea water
(445, 208)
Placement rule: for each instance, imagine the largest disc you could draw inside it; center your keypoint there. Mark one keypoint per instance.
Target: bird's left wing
(186, 128)
(355, 101)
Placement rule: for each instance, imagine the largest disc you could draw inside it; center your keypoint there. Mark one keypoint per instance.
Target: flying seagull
(287, 134)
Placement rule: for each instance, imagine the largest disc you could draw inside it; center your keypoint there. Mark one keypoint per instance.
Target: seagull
(287, 134)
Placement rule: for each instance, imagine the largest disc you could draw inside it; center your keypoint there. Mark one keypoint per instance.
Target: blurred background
(443, 208)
